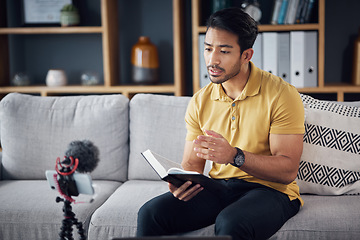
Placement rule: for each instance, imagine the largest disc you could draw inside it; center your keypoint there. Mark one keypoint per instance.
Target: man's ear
(247, 55)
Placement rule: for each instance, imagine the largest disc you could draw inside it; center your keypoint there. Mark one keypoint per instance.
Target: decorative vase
(90, 78)
(145, 62)
(356, 62)
(20, 79)
(56, 78)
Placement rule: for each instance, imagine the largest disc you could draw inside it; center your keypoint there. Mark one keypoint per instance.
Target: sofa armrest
(0, 165)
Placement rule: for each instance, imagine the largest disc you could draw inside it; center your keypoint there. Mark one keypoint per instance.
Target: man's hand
(214, 147)
(183, 193)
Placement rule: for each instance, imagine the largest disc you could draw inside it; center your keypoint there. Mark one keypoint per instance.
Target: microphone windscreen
(87, 154)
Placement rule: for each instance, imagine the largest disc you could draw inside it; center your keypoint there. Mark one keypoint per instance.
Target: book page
(180, 171)
(159, 169)
(166, 163)
(159, 163)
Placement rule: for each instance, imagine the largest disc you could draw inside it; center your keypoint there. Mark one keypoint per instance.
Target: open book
(172, 172)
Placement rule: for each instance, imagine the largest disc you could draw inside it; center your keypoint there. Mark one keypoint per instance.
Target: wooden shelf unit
(322, 87)
(127, 90)
(110, 48)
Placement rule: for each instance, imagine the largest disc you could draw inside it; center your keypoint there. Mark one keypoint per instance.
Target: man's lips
(215, 71)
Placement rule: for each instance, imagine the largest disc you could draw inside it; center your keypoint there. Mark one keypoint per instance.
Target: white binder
(204, 79)
(303, 58)
(257, 56)
(270, 52)
(311, 59)
(284, 55)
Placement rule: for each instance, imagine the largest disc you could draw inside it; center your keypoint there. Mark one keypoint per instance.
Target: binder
(303, 58)
(284, 55)
(204, 79)
(311, 59)
(270, 52)
(257, 56)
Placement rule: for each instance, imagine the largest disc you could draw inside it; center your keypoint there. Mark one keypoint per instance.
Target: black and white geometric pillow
(330, 163)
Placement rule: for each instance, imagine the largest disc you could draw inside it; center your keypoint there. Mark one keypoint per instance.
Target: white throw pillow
(330, 163)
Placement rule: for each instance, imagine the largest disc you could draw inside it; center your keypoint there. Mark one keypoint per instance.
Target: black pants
(248, 211)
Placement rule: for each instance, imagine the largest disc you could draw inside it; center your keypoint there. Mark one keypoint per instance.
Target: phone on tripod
(83, 181)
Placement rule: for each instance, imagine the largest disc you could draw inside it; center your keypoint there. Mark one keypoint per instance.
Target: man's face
(222, 55)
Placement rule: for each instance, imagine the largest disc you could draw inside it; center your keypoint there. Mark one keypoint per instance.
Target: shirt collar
(252, 86)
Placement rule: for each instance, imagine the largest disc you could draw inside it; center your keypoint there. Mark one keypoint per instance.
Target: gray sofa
(36, 130)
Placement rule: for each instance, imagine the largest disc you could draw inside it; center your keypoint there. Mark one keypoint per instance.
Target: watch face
(239, 158)
(254, 12)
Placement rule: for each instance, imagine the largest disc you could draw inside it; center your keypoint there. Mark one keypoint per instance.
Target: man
(250, 123)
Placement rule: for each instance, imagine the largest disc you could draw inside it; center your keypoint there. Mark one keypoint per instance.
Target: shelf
(339, 88)
(51, 30)
(278, 28)
(126, 90)
(319, 27)
(109, 31)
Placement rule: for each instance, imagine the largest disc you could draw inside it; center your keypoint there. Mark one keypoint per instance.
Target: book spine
(283, 10)
(276, 10)
(299, 10)
(290, 16)
(303, 11)
(308, 11)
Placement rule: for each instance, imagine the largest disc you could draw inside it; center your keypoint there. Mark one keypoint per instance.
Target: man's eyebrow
(222, 45)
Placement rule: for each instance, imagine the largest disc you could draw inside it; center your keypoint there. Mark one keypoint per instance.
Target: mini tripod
(67, 187)
(68, 222)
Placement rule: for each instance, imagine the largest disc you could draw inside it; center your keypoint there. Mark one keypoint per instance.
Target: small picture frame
(42, 12)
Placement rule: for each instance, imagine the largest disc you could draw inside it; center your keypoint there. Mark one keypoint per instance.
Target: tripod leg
(66, 229)
(80, 229)
(68, 222)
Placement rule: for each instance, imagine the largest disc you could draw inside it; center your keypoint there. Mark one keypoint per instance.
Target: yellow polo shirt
(267, 105)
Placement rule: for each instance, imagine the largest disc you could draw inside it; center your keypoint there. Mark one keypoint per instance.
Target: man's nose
(214, 59)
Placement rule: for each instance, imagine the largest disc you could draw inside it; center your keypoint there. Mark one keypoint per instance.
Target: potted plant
(69, 16)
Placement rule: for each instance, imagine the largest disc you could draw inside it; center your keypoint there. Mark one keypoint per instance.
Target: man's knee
(145, 212)
(153, 216)
(149, 219)
(238, 228)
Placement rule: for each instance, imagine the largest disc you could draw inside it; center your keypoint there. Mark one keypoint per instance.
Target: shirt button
(233, 118)
(233, 104)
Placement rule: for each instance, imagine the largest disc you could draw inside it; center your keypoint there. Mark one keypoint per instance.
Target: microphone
(86, 153)
(83, 157)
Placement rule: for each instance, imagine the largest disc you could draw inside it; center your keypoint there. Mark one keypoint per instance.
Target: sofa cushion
(36, 130)
(156, 123)
(324, 217)
(117, 217)
(28, 209)
(330, 163)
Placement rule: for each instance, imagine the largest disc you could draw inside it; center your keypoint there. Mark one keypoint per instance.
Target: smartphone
(83, 182)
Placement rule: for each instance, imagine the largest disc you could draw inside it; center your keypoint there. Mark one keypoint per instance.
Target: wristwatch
(239, 158)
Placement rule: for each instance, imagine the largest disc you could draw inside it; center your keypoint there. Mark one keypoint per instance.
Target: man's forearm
(190, 161)
(280, 169)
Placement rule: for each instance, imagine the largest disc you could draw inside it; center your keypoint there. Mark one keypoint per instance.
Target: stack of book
(292, 11)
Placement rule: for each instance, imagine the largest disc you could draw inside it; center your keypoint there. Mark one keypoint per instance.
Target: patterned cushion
(330, 163)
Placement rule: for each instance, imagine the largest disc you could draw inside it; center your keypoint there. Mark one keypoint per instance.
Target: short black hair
(236, 21)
